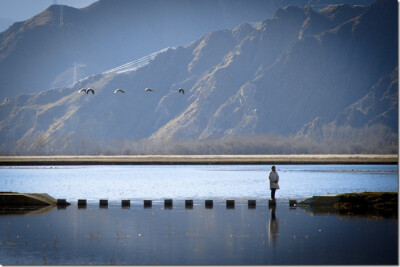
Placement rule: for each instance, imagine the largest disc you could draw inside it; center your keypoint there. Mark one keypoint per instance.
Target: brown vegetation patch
(377, 204)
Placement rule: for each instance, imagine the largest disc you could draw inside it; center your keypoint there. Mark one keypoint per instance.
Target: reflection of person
(273, 227)
(273, 181)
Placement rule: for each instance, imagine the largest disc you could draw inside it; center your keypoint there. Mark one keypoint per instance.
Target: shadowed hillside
(302, 75)
(62, 44)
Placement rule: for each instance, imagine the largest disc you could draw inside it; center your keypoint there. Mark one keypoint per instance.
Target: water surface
(195, 181)
(179, 236)
(196, 236)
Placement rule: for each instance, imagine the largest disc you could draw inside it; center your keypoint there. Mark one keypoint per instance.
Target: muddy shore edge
(198, 159)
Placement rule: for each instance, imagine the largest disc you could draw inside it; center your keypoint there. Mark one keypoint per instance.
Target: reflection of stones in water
(123, 236)
(7, 210)
(273, 227)
(9, 244)
(94, 236)
(352, 212)
(192, 234)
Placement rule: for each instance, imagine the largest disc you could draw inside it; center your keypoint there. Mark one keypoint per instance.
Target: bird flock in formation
(91, 90)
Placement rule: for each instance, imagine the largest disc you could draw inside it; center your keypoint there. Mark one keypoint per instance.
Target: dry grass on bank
(202, 159)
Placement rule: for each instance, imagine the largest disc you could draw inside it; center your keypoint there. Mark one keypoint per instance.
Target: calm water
(180, 236)
(196, 236)
(195, 182)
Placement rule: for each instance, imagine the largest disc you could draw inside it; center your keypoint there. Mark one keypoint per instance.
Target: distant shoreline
(198, 159)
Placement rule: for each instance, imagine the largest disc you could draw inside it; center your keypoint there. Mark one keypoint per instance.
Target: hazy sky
(19, 10)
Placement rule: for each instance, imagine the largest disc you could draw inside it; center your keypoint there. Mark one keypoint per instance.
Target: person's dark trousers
(273, 193)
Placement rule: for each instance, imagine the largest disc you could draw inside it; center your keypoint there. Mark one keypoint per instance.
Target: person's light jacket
(273, 180)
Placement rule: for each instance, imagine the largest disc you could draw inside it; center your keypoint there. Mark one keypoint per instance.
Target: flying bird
(86, 90)
(181, 91)
(149, 90)
(119, 90)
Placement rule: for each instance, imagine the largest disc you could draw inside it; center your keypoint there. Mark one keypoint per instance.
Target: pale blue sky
(19, 10)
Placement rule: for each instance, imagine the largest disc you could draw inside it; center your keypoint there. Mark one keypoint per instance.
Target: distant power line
(61, 16)
(74, 78)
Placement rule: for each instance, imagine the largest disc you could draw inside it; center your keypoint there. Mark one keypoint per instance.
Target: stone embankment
(24, 203)
(28, 199)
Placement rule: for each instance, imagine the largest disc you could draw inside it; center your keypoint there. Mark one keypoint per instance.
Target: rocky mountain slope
(63, 44)
(379, 106)
(338, 65)
(284, 77)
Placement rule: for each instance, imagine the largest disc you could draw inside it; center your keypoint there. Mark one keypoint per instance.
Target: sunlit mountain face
(303, 72)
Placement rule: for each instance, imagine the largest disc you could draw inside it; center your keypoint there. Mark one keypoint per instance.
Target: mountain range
(289, 75)
(63, 44)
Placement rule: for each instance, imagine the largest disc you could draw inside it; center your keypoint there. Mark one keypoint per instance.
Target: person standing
(273, 181)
